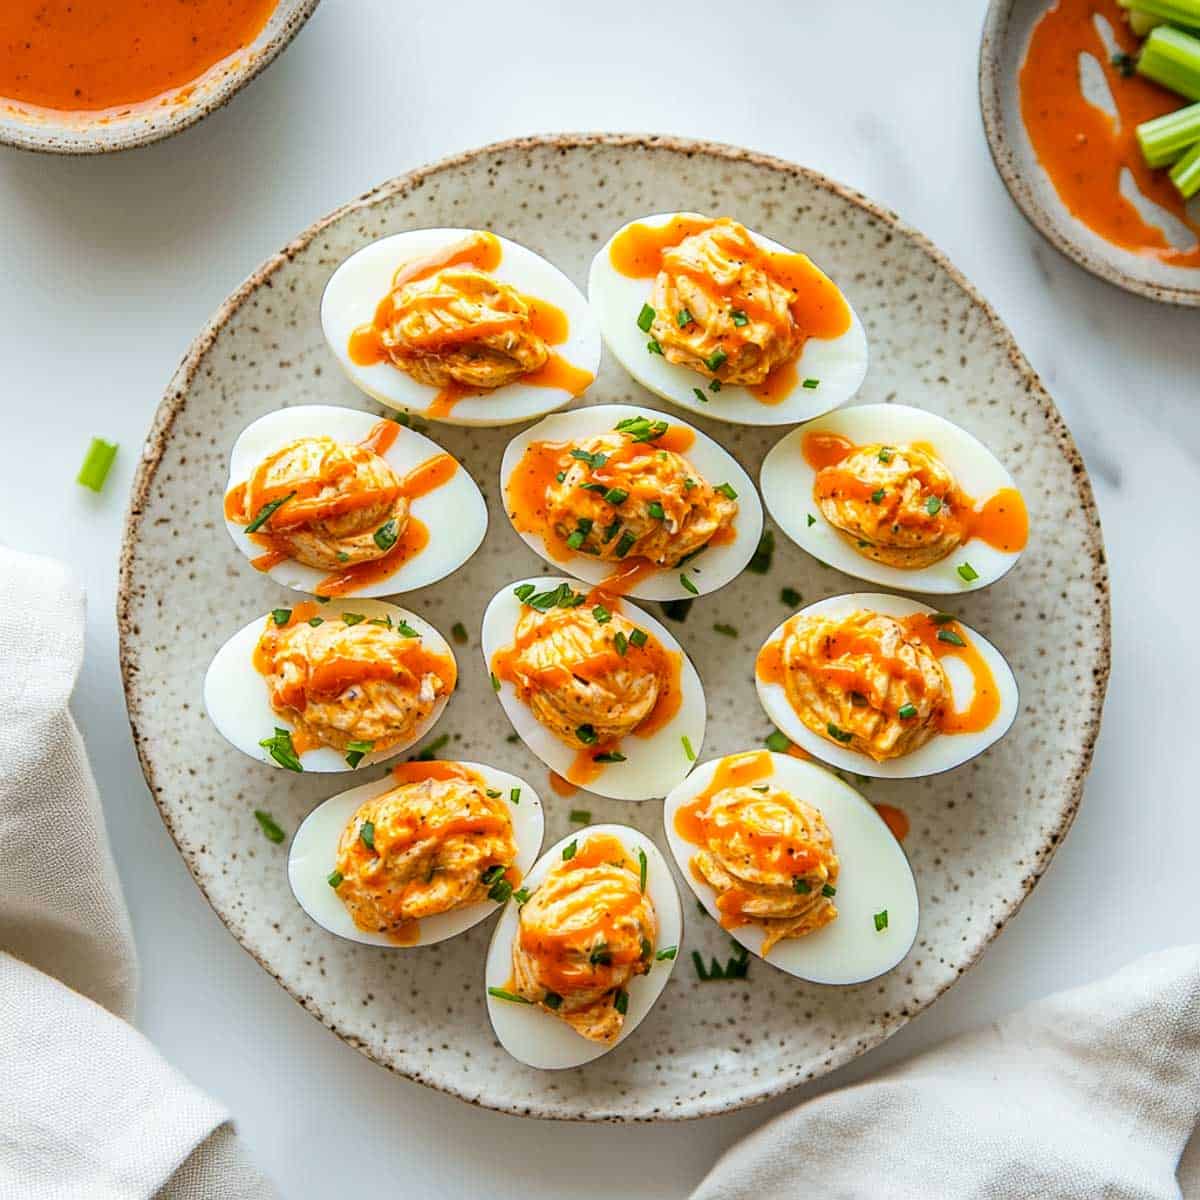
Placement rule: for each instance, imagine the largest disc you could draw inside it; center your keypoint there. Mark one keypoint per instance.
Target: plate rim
(991, 107)
(175, 398)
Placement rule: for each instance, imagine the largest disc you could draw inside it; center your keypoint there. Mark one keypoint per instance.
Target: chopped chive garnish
(280, 748)
(810, 519)
(683, 318)
(884, 455)
(575, 538)
(281, 616)
(877, 496)
(581, 816)
(653, 346)
(625, 544)
(592, 487)
(493, 793)
(689, 753)
(513, 738)
(267, 824)
(933, 505)
(608, 756)
(265, 513)
(655, 511)
(739, 318)
(521, 896)
(838, 735)
(642, 868)
(515, 796)
(367, 834)
(595, 461)
(615, 496)
(586, 734)
(881, 921)
(524, 591)
(601, 955)
(760, 561)
(426, 753)
(386, 535)
(688, 585)
(315, 621)
(645, 318)
(801, 885)
(700, 395)
(610, 532)
(941, 618)
(647, 950)
(715, 386)
(621, 1001)
(342, 556)
(97, 463)
(620, 643)
(641, 429)
(501, 890)
(727, 630)
(352, 618)
(811, 383)
(716, 360)
(405, 629)
(334, 879)
(906, 712)
(667, 952)
(501, 994)
(356, 750)
(552, 1000)
(385, 621)
(726, 489)
(948, 635)
(560, 476)
(569, 851)
(967, 573)
(638, 637)
(492, 873)
(458, 631)
(789, 596)
(495, 682)
(829, 890)
(778, 742)
(602, 615)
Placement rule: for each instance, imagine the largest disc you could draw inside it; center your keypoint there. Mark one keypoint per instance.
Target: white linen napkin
(1091, 1093)
(88, 1109)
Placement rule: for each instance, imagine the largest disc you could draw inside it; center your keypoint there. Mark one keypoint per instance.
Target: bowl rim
(49, 137)
(1051, 226)
(175, 398)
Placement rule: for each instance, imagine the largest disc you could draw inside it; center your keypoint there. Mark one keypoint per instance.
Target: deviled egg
(629, 499)
(461, 326)
(584, 948)
(330, 687)
(597, 688)
(897, 496)
(717, 318)
(418, 856)
(795, 864)
(885, 686)
(336, 502)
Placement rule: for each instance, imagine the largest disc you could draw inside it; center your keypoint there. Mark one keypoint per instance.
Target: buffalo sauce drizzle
(483, 252)
(983, 709)
(818, 308)
(304, 507)
(1001, 521)
(1082, 148)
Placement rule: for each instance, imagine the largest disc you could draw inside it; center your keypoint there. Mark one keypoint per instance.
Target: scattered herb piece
(621, 1001)
(493, 793)
(523, 592)
(552, 1000)
(495, 682)
(98, 461)
(608, 756)
(501, 890)
(602, 615)
(560, 476)
(586, 734)
(810, 519)
(280, 748)
(760, 561)
(595, 461)
(877, 496)
(666, 953)
(778, 742)
(715, 386)
(581, 816)
(789, 596)
(268, 825)
(700, 395)
(315, 621)
(884, 455)
(940, 618)
(515, 796)
(267, 511)
(906, 712)
(688, 584)
(356, 750)
(838, 735)
(881, 921)
(501, 994)
(655, 511)
(801, 885)
(334, 879)
(653, 346)
(638, 637)
(386, 535)
(458, 631)
(683, 318)
(948, 635)
(281, 616)
(642, 868)
(521, 896)
(727, 630)
(367, 833)
(615, 496)
(716, 360)
(569, 851)
(575, 538)
(620, 643)
(352, 618)
(811, 383)
(967, 573)
(646, 318)
(739, 318)
(625, 544)
(829, 890)
(726, 489)
(687, 748)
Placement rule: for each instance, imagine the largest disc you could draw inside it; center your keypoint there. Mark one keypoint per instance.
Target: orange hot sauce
(87, 55)
(1080, 147)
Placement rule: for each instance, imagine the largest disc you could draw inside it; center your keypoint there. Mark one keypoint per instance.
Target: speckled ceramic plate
(981, 835)
(1006, 33)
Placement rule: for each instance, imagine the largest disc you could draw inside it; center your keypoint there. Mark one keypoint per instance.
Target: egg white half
(540, 1039)
(313, 855)
(713, 567)
(653, 765)
(454, 513)
(362, 281)
(839, 363)
(944, 750)
(235, 694)
(787, 488)
(874, 876)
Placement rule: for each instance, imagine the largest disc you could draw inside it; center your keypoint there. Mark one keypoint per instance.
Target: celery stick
(1164, 139)
(1142, 22)
(1172, 58)
(1185, 174)
(1178, 12)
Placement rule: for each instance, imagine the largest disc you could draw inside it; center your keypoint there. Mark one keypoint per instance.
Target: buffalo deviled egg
(795, 864)
(460, 325)
(418, 856)
(719, 319)
(897, 496)
(336, 502)
(885, 686)
(330, 687)
(598, 689)
(631, 500)
(584, 948)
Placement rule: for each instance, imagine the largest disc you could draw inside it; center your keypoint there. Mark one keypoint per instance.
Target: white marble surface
(111, 265)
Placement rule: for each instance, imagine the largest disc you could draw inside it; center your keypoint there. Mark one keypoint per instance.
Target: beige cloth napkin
(88, 1109)
(1090, 1094)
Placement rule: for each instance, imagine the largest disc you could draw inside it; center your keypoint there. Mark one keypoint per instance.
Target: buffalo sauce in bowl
(92, 55)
